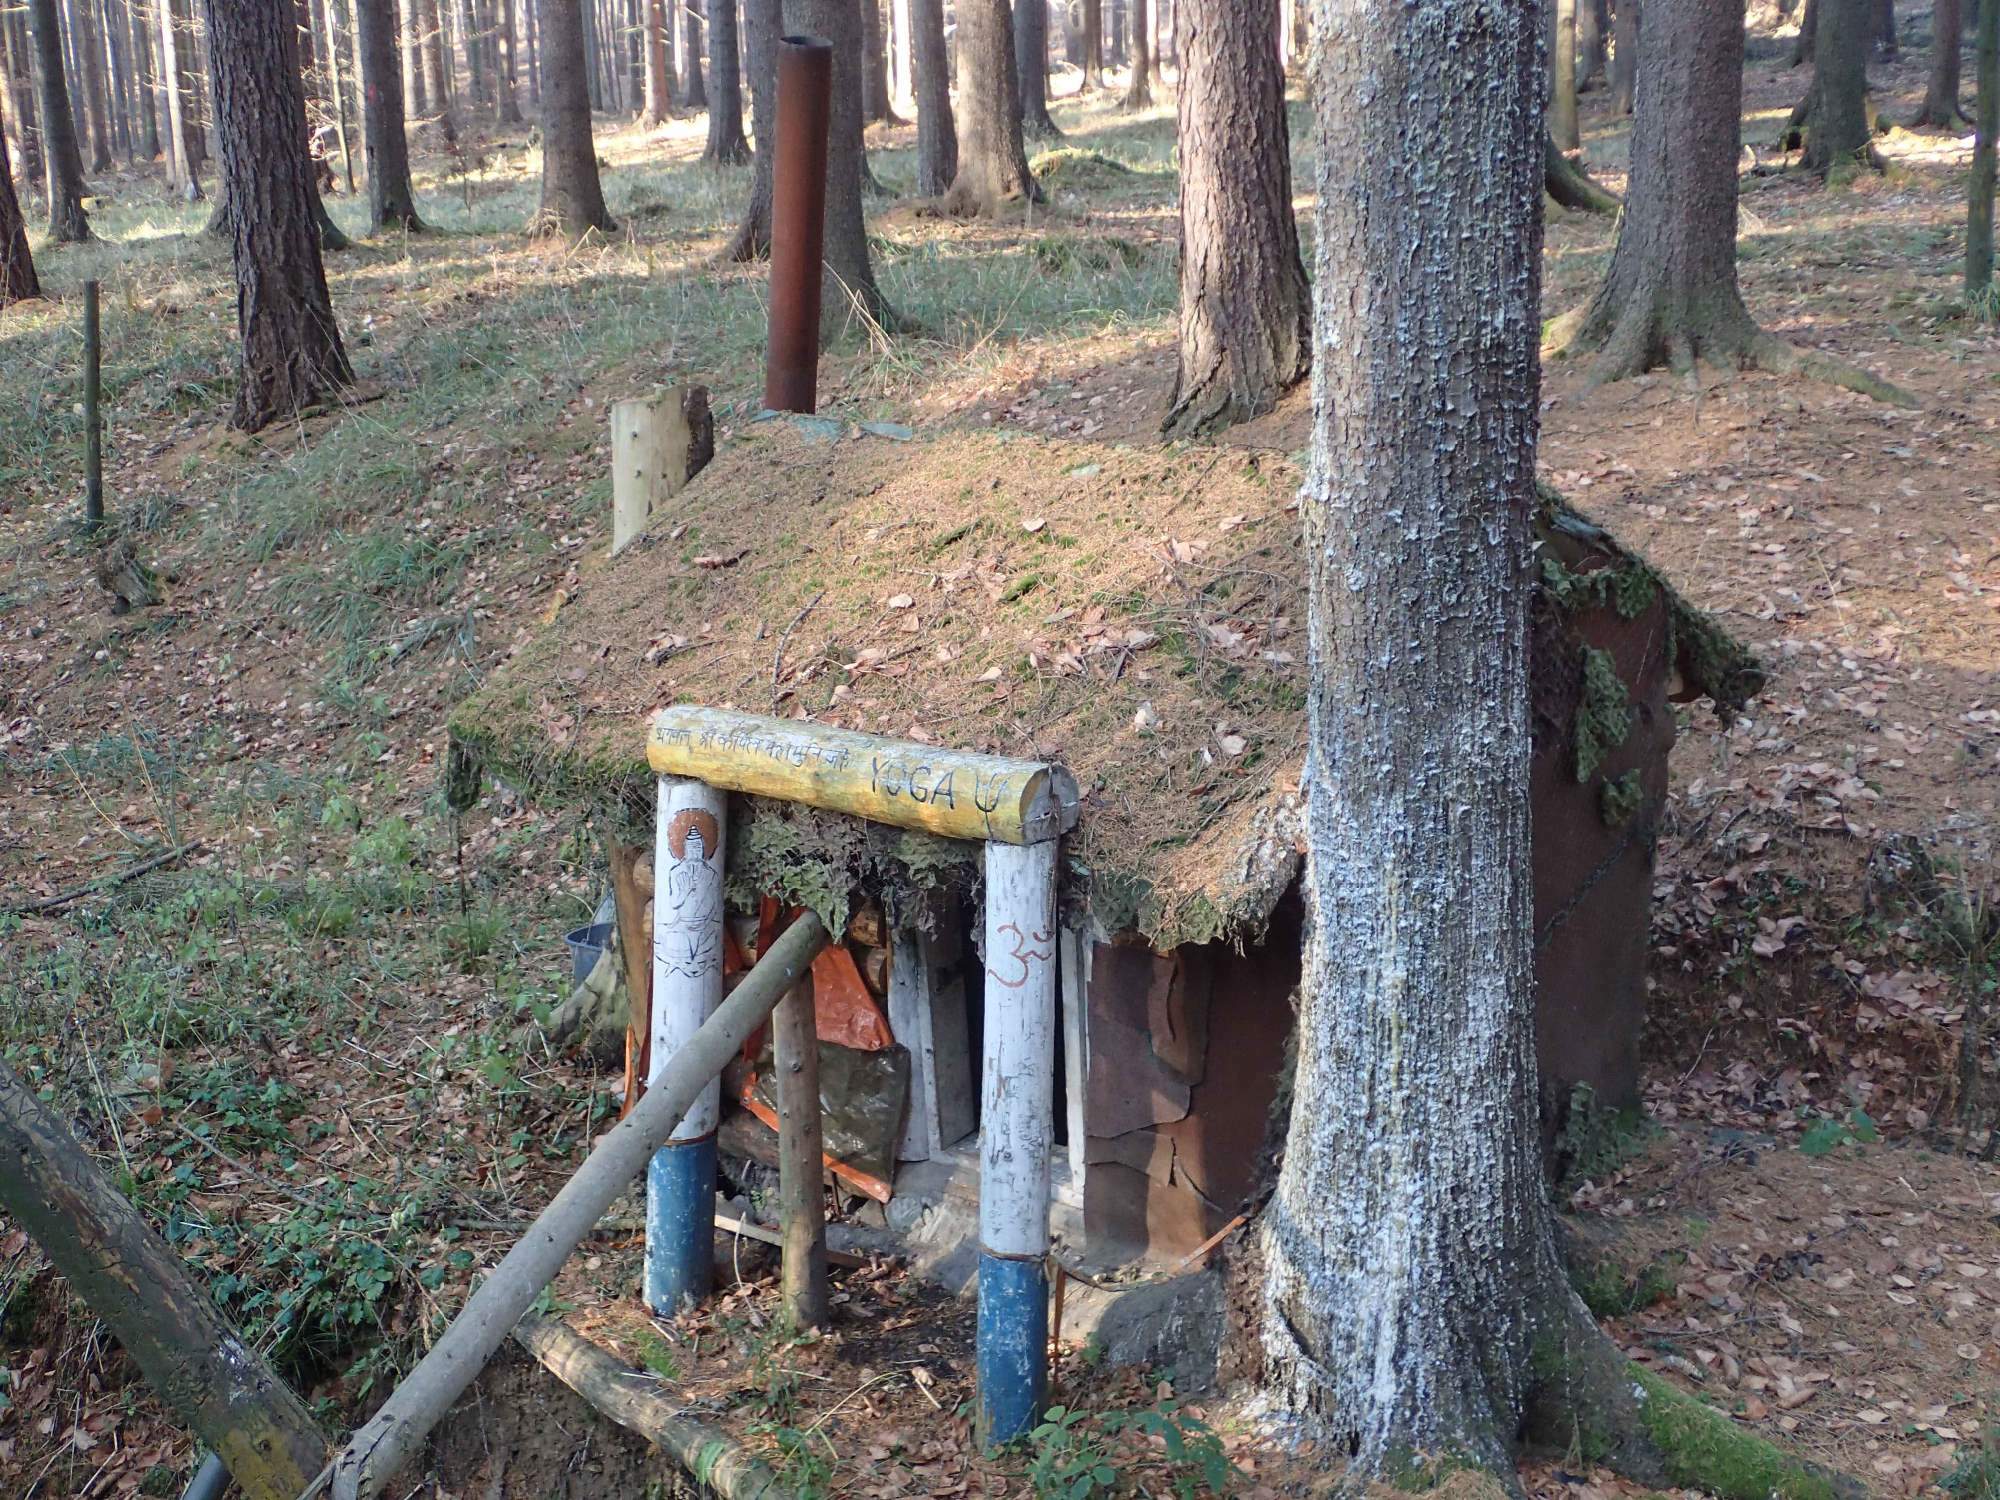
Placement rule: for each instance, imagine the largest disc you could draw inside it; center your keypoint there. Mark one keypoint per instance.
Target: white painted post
(689, 834)
(1076, 1046)
(1017, 1092)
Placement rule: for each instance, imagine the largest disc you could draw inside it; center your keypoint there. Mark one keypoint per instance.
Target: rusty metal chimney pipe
(798, 222)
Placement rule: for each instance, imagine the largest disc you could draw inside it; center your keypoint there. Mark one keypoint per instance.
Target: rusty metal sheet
(1128, 1086)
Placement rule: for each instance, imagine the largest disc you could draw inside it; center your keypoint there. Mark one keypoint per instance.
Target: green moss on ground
(1705, 1450)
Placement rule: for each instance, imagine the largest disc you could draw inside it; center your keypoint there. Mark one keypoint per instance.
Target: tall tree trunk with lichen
(291, 355)
(1031, 67)
(937, 133)
(18, 281)
(1940, 109)
(992, 158)
(572, 196)
(67, 222)
(763, 20)
(1416, 1311)
(1670, 296)
(20, 90)
(725, 95)
(1245, 313)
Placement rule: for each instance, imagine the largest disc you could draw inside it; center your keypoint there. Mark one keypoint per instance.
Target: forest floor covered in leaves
(305, 1042)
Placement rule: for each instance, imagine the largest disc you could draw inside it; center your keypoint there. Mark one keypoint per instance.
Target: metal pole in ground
(1016, 1127)
(93, 430)
(687, 985)
(798, 223)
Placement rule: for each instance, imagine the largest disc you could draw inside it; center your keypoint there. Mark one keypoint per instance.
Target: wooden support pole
(93, 423)
(801, 1196)
(948, 792)
(1017, 1095)
(398, 1429)
(129, 1277)
(658, 443)
(689, 831)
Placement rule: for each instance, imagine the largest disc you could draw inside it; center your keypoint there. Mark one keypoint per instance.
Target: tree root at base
(1632, 345)
(1572, 187)
(1601, 1408)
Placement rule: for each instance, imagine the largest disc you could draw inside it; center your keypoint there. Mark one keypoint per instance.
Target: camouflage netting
(1135, 613)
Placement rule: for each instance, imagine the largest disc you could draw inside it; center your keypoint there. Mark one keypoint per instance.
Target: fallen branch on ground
(107, 882)
(625, 1395)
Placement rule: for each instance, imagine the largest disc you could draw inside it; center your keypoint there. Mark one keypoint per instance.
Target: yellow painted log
(949, 792)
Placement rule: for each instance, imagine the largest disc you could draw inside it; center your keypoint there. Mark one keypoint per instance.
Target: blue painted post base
(1013, 1345)
(680, 1224)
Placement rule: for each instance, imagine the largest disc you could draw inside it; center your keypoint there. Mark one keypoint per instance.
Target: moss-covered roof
(1134, 613)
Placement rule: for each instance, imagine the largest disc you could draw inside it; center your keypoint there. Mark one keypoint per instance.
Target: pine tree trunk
(194, 105)
(849, 284)
(14, 48)
(937, 133)
(118, 77)
(659, 77)
(1031, 67)
(531, 25)
(145, 78)
(1625, 44)
(431, 49)
(1836, 123)
(572, 197)
(1807, 42)
(902, 76)
(1411, 1262)
(1592, 22)
(696, 92)
(507, 73)
(992, 160)
(1139, 94)
(1670, 296)
(291, 351)
(1093, 44)
(1245, 317)
(1888, 46)
(1562, 85)
(67, 223)
(17, 267)
(1940, 109)
(725, 105)
(465, 17)
(87, 43)
(874, 66)
(391, 202)
(762, 22)
(338, 75)
(1986, 138)
(409, 29)
(177, 117)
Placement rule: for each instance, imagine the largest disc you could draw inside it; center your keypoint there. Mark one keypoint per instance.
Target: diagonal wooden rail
(394, 1434)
